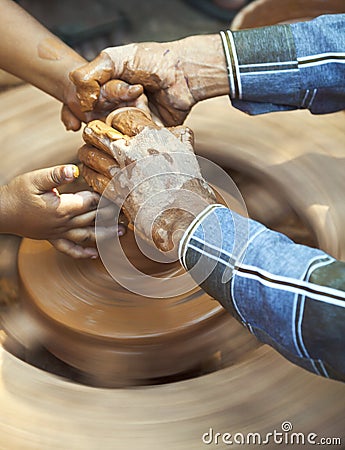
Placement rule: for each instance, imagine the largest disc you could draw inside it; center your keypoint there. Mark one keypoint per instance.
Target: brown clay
(98, 160)
(116, 337)
(148, 151)
(100, 70)
(95, 180)
(276, 163)
(130, 121)
(100, 134)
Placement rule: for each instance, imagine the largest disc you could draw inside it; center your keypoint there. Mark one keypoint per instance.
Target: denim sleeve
(285, 67)
(290, 296)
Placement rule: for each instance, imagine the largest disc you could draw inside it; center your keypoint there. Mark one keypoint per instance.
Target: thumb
(53, 177)
(88, 79)
(114, 91)
(70, 121)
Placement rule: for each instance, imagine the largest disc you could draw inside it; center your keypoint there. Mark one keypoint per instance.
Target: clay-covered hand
(113, 94)
(175, 75)
(31, 206)
(149, 171)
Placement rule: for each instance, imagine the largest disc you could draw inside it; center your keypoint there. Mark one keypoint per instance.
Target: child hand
(31, 206)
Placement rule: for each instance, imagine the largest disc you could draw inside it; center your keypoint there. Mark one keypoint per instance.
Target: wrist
(205, 66)
(170, 226)
(62, 87)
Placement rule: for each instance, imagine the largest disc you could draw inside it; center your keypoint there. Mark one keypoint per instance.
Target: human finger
(109, 232)
(143, 104)
(98, 160)
(80, 235)
(89, 78)
(108, 213)
(72, 205)
(70, 121)
(101, 135)
(96, 180)
(52, 177)
(169, 112)
(117, 91)
(130, 121)
(74, 250)
(83, 220)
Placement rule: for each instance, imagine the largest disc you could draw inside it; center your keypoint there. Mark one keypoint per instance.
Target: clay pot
(118, 338)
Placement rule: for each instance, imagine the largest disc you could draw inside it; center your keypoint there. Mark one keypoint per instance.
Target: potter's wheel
(296, 177)
(289, 167)
(118, 338)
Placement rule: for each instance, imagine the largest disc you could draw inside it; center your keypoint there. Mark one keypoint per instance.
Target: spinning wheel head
(116, 337)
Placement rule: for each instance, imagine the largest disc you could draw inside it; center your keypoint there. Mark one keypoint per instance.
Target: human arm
(31, 206)
(178, 74)
(289, 296)
(283, 67)
(31, 52)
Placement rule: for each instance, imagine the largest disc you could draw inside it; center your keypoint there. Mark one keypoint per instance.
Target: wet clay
(96, 180)
(130, 121)
(100, 134)
(258, 390)
(88, 79)
(154, 166)
(115, 336)
(98, 160)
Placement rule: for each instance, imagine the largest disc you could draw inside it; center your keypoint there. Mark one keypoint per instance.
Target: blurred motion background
(256, 393)
(90, 26)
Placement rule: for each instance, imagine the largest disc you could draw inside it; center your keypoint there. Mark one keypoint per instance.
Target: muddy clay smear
(77, 301)
(291, 181)
(147, 152)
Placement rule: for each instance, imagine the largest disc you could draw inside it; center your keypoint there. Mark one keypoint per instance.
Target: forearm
(288, 66)
(276, 288)
(31, 52)
(5, 211)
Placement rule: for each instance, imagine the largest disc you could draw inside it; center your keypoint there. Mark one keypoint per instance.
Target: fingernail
(121, 230)
(92, 253)
(68, 172)
(71, 172)
(75, 171)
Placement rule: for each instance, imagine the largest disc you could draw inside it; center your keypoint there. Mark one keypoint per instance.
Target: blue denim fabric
(286, 67)
(262, 278)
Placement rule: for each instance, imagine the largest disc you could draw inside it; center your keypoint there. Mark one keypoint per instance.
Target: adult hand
(31, 206)
(175, 75)
(149, 171)
(113, 94)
